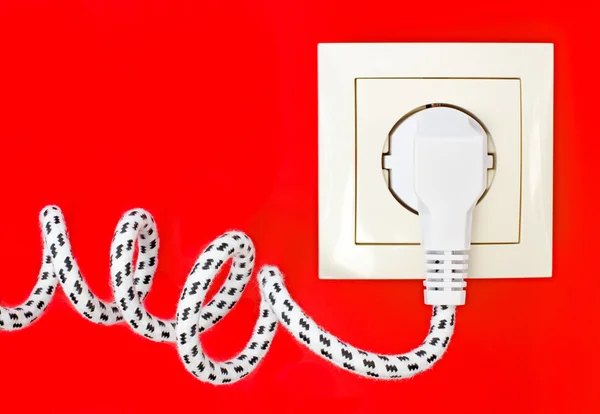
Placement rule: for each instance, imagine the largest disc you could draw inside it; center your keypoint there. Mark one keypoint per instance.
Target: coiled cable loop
(132, 278)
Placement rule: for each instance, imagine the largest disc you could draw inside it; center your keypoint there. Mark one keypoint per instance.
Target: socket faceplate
(364, 89)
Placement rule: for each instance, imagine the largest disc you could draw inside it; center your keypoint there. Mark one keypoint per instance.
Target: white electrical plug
(450, 161)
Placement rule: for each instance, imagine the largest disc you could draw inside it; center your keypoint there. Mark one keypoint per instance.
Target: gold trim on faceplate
(458, 78)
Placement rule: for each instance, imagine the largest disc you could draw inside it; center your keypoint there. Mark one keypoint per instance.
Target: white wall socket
(365, 89)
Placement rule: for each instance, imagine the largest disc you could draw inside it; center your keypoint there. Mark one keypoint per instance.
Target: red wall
(205, 113)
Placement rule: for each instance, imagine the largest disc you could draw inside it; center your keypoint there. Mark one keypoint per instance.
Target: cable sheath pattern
(131, 279)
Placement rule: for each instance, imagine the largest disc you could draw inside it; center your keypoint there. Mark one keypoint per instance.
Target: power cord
(443, 163)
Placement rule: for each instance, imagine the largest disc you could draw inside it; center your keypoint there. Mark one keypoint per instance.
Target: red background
(205, 113)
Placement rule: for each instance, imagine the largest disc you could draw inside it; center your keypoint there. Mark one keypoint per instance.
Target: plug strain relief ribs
(445, 273)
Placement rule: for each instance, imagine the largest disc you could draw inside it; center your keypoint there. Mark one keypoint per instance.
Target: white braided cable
(132, 279)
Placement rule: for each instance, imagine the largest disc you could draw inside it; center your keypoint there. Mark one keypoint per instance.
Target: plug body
(450, 176)
(450, 161)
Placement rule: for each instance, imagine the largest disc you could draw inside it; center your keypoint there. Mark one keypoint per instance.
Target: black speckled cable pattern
(131, 281)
